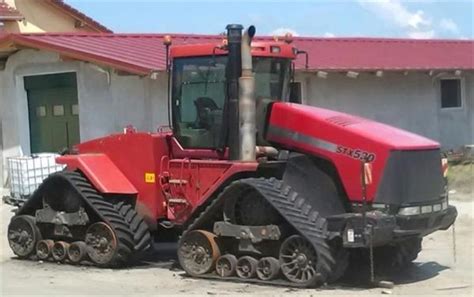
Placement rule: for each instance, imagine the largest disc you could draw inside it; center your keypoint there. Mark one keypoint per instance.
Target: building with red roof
(26, 16)
(103, 82)
(8, 13)
(144, 53)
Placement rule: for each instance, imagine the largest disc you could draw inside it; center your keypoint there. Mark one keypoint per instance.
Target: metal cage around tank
(26, 173)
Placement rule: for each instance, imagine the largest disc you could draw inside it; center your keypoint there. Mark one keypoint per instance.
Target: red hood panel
(382, 134)
(343, 139)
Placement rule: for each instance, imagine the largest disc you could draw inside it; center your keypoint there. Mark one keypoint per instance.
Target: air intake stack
(233, 72)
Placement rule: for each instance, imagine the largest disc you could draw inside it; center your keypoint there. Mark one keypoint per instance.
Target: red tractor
(257, 185)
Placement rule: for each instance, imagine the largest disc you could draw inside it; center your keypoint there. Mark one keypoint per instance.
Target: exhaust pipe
(247, 116)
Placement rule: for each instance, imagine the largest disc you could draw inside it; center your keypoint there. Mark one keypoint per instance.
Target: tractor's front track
(291, 249)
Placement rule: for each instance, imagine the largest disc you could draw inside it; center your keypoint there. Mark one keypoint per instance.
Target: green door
(53, 112)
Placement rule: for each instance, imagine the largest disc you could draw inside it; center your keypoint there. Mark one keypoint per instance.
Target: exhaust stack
(247, 116)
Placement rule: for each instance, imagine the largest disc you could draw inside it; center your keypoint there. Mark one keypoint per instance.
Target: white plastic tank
(26, 173)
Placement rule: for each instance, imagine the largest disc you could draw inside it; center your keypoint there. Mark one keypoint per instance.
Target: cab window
(199, 90)
(271, 78)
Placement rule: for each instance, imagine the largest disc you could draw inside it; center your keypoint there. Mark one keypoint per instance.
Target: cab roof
(259, 49)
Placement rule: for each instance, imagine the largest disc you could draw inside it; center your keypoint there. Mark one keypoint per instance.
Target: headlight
(409, 211)
(423, 209)
(444, 205)
(379, 206)
(426, 209)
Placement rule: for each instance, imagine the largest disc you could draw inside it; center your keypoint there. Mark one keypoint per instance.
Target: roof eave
(394, 69)
(77, 55)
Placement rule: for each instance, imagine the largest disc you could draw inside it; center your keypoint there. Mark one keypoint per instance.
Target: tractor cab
(199, 88)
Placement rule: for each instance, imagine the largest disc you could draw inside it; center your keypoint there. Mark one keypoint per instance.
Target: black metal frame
(388, 228)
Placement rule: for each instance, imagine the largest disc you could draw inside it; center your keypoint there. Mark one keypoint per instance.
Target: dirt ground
(459, 181)
(433, 273)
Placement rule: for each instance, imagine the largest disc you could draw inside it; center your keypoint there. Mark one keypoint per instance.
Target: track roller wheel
(59, 251)
(268, 268)
(298, 261)
(247, 267)
(77, 252)
(102, 243)
(44, 248)
(198, 252)
(23, 234)
(226, 265)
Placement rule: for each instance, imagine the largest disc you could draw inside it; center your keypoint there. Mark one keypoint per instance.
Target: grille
(411, 177)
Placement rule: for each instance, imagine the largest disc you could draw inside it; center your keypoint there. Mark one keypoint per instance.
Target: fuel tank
(406, 168)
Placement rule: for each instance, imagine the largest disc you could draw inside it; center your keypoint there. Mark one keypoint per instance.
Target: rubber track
(398, 255)
(138, 227)
(107, 213)
(294, 209)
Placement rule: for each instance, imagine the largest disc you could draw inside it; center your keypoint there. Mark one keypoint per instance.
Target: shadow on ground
(358, 276)
(163, 255)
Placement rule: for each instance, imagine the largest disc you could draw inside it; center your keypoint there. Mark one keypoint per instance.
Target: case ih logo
(356, 153)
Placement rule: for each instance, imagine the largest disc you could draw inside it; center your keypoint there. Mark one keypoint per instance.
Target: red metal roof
(8, 13)
(387, 54)
(144, 53)
(79, 15)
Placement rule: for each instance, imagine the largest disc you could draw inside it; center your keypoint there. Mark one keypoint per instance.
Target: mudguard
(317, 181)
(101, 172)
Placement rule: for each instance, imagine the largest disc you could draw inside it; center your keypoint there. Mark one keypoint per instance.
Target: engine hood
(343, 139)
(311, 119)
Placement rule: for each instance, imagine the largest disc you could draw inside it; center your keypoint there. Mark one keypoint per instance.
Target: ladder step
(178, 201)
(178, 181)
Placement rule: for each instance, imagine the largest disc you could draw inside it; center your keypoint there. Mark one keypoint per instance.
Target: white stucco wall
(410, 102)
(107, 101)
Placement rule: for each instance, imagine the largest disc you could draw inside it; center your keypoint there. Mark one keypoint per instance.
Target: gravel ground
(433, 273)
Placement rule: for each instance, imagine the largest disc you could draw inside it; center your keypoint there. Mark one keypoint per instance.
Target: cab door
(198, 96)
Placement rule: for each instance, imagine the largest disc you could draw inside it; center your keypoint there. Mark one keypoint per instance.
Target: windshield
(199, 93)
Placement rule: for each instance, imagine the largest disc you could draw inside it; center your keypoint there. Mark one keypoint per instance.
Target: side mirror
(295, 92)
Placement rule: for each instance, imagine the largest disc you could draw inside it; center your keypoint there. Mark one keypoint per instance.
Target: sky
(338, 18)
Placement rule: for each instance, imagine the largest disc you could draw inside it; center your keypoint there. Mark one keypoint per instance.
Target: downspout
(247, 115)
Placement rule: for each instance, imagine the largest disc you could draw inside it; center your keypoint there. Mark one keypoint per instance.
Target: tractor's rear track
(108, 214)
(115, 216)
